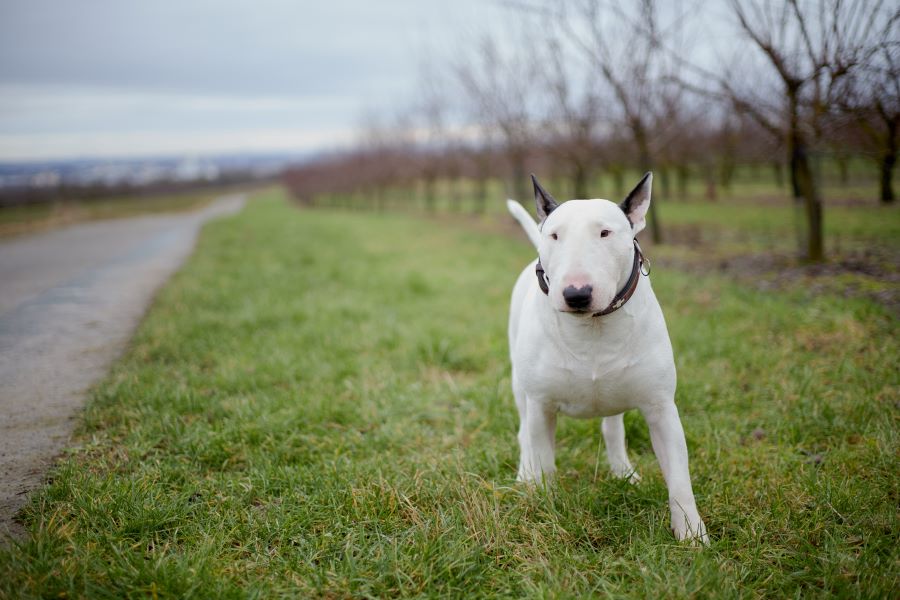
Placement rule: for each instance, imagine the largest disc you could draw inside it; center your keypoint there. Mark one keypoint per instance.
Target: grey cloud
(77, 73)
(258, 47)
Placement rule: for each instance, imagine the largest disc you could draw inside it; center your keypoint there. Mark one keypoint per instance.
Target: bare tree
(501, 89)
(385, 144)
(624, 43)
(432, 110)
(872, 99)
(887, 107)
(810, 48)
(576, 111)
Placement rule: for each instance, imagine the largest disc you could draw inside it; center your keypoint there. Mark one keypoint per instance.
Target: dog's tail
(521, 215)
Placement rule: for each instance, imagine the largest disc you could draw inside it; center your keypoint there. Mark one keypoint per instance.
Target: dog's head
(586, 246)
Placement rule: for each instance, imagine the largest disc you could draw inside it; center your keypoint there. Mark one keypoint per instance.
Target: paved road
(69, 301)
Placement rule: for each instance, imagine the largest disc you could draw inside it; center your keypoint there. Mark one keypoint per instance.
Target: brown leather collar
(624, 295)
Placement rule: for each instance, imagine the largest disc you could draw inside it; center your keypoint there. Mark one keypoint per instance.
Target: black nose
(577, 298)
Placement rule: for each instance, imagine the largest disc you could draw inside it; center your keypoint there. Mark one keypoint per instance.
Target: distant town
(25, 182)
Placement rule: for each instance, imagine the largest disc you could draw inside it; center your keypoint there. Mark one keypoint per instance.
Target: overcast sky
(129, 77)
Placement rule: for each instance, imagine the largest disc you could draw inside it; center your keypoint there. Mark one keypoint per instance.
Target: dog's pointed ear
(544, 202)
(635, 205)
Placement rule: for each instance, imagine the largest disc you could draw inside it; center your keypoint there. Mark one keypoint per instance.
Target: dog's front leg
(614, 437)
(537, 442)
(667, 437)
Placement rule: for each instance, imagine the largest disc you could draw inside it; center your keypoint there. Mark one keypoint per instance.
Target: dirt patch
(872, 272)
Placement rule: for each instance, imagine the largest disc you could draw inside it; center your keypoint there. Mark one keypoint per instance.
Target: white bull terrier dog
(587, 338)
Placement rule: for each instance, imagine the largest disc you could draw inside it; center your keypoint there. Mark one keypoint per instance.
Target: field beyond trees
(318, 405)
(31, 218)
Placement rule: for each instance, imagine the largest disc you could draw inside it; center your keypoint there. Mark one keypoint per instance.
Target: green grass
(857, 224)
(318, 405)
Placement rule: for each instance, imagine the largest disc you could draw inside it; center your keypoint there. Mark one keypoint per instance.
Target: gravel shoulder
(69, 301)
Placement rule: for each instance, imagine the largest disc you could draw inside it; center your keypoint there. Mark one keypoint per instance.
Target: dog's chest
(591, 386)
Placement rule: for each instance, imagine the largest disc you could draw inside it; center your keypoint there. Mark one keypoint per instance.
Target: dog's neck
(621, 318)
(627, 290)
(583, 339)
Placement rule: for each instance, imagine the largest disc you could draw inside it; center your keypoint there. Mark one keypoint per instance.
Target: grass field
(318, 405)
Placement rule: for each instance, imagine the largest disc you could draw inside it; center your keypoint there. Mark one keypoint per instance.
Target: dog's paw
(531, 477)
(628, 474)
(693, 532)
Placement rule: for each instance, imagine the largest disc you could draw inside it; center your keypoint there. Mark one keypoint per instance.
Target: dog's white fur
(595, 366)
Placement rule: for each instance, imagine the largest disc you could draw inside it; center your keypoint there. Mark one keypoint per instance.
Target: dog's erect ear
(638, 201)
(545, 203)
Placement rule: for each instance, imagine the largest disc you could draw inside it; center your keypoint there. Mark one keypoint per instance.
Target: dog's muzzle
(575, 298)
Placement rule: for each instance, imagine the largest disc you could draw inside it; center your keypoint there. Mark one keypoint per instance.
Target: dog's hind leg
(519, 396)
(614, 439)
(524, 445)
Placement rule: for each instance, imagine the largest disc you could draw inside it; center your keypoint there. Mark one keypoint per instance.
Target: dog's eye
(553, 236)
(605, 233)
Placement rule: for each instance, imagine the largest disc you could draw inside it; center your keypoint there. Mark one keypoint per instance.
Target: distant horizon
(174, 152)
(155, 158)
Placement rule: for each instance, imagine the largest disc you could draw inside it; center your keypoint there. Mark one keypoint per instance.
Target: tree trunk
(410, 195)
(711, 194)
(684, 175)
(647, 164)
(618, 181)
(804, 182)
(795, 185)
(812, 202)
(559, 186)
(429, 193)
(580, 181)
(710, 176)
(843, 174)
(481, 193)
(887, 175)
(452, 183)
(455, 192)
(888, 160)
(726, 173)
(664, 183)
(778, 171)
(519, 182)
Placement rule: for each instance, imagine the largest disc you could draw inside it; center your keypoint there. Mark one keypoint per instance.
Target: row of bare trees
(822, 58)
(578, 87)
